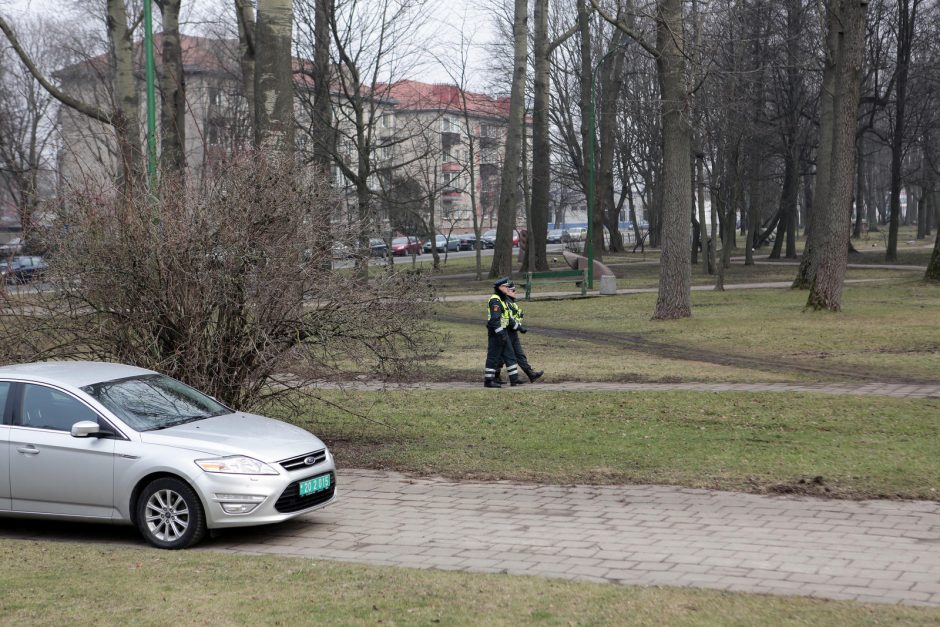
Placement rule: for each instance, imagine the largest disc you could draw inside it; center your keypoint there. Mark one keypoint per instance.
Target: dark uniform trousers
(521, 359)
(499, 351)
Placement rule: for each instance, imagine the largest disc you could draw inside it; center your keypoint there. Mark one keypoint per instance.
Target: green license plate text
(316, 484)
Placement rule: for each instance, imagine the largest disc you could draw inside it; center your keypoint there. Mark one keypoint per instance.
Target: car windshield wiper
(180, 421)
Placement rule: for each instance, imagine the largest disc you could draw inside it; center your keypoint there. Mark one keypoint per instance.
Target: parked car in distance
(402, 246)
(554, 236)
(467, 241)
(13, 247)
(22, 269)
(377, 247)
(442, 243)
(575, 234)
(341, 251)
(490, 236)
(102, 442)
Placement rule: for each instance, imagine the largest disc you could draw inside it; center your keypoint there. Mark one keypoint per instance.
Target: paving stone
(883, 551)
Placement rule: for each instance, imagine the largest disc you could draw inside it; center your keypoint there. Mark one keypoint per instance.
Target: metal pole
(151, 99)
(592, 131)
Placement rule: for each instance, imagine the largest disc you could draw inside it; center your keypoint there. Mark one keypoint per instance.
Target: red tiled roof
(205, 54)
(416, 95)
(201, 54)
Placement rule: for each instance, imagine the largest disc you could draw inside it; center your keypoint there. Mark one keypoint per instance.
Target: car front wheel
(169, 514)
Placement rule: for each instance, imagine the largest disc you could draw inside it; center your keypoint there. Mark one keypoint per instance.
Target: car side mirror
(85, 428)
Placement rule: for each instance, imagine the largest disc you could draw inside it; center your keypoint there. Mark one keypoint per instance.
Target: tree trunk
(859, 189)
(907, 13)
(245, 12)
(708, 258)
(509, 183)
(821, 199)
(274, 86)
(173, 100)
(126, 98)
(826, 290)
(541, 142)
(923, 204)
(674, 299)
(325, 136)
(786, 228)
(611, 81)
(933, 268)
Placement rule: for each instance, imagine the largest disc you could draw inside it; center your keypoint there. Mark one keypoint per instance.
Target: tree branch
(625, 28)
(562, 38)
(82, 107)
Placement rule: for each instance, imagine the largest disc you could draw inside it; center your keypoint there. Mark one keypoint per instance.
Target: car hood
(263, 438)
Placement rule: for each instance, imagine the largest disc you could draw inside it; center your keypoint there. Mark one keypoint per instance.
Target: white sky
(446, 19)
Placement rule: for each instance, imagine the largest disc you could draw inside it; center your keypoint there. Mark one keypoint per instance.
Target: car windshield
(155, 401)
(400, 240)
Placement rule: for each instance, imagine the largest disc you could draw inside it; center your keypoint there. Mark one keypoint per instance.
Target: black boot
(535, 375)
(499, 379)
(515, 380)
(491, 383)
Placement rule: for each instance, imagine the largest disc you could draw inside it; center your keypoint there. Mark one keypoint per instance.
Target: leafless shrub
(227, 286)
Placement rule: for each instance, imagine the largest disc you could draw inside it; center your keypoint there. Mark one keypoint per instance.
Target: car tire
(170, 515)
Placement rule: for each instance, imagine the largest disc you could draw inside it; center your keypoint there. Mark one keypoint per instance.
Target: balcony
(488, 169)
(451, 166)
(451, 193)
(449, 138)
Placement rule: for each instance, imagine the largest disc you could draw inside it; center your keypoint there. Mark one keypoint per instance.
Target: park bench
(555, 276)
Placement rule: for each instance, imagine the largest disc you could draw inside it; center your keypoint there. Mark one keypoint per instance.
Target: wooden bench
(555, 276)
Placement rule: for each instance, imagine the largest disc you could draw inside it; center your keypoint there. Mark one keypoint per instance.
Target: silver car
(108, 442)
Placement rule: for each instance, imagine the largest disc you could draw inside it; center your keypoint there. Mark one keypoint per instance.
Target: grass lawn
(53, 583)
(854, 447)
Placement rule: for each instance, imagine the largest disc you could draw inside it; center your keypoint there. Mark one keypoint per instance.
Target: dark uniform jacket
(499, 318)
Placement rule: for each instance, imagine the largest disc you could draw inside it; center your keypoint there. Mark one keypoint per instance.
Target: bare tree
(122, 113)
(374, 43)
(848, 19)
(227, 293)
(907, 18)
(674, 299)
(26, 130)
(502, 253)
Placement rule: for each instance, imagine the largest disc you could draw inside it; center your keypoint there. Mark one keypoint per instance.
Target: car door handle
(29, 449)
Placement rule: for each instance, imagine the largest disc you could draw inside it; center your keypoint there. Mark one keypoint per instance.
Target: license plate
(317, 484)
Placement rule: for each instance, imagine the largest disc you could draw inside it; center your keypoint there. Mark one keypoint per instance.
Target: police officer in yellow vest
(514, 329)
(499, 346)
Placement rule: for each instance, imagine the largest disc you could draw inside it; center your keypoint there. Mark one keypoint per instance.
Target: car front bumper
(271, 498)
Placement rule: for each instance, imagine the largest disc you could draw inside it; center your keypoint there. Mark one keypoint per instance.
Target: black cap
(503, 281)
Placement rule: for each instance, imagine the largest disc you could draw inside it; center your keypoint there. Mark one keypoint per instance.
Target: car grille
(291, 501)
(299, 462)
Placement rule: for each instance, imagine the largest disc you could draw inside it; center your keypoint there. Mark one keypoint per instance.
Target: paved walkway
(877, 551)
(897, 390)
(575, 293)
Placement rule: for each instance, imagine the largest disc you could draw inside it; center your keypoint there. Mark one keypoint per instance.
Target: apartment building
(447, 141)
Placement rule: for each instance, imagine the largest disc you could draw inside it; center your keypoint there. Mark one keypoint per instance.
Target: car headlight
(235, 465)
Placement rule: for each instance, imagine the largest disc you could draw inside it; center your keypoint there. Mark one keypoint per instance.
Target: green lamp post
(151, 100)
